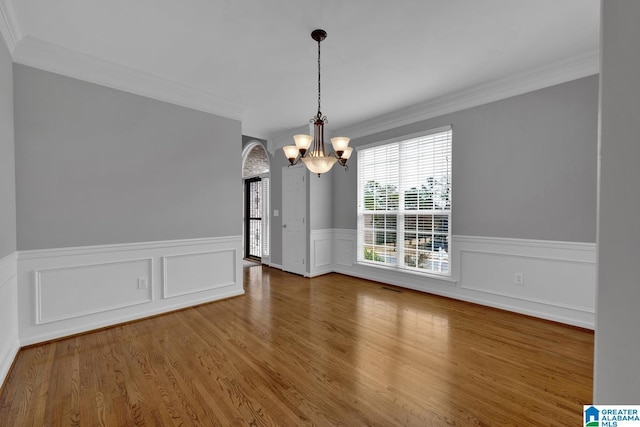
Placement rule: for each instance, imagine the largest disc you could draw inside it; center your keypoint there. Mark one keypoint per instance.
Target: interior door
(294, 224)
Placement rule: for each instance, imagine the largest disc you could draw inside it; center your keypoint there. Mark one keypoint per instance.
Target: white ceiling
(256, 59)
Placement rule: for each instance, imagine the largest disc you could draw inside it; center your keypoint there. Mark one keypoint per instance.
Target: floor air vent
(392, 290)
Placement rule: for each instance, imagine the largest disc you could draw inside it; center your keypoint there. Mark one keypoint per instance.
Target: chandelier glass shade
(311, 149)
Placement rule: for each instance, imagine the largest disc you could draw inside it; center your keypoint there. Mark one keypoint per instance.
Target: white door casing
(266, 220)
(294, 233)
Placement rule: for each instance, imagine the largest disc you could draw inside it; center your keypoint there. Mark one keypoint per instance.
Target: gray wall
(98, 166)
(7, 158)
(320, 198)
(616, 375)
(523, 167)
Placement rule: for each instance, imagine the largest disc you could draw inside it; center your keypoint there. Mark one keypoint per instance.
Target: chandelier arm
(295, 162)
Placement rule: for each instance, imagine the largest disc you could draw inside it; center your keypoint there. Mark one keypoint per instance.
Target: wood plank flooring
(332, 350)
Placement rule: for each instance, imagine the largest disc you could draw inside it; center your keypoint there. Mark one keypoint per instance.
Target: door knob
(284, 225)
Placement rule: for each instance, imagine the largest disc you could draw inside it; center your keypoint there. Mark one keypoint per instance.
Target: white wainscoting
(9, 341)
(70, 290)
(321, 242)
(101, 287)
(344, 247)
(186, 274)
(559, 278)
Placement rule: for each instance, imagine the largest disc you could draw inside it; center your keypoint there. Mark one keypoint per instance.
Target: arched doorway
(255, 177)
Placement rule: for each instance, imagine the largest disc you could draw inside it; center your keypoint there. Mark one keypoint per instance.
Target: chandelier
(316, 159)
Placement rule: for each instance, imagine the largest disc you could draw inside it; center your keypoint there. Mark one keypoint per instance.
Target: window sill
(434, 276)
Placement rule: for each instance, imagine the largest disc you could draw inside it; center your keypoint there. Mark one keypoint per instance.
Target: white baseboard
(559, 277)
(71, 290)
(273, 265)
(9, 341)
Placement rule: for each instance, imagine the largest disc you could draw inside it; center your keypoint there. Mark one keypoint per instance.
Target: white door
(294, 224)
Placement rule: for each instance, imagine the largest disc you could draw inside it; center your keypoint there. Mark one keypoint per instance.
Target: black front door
(253, 218)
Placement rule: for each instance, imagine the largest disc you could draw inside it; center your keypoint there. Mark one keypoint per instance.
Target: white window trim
(448, 276)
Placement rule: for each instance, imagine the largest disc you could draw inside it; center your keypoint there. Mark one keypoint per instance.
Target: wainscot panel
(190, 273)
(344, 247)
(9, 342)
(100, 287)
(71, 290)
(547, 279)
(321, 246)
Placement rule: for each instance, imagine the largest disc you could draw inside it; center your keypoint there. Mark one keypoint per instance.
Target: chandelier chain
(319, 113)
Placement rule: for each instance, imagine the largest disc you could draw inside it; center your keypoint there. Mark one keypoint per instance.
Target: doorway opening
(255, 174)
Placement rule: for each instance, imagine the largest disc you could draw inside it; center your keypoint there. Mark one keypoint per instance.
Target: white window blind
(404, 203)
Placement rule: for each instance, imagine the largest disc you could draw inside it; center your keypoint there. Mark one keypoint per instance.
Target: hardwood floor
(332, 350)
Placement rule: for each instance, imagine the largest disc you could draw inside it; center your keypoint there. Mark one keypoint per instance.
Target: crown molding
(10, 26)
(47, 56)
(573, 68)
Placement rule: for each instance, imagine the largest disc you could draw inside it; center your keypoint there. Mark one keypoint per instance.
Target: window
(404, 203)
